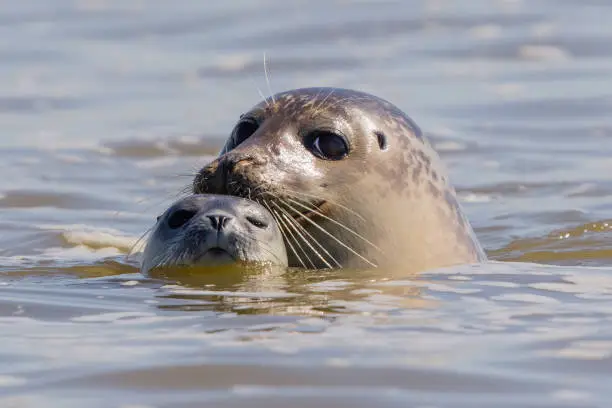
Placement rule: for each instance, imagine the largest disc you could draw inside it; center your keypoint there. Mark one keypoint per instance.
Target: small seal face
(350, 180)
(210, 230)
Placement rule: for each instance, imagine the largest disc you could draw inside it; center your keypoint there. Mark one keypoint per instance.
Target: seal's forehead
(338, 102)
(328, 98)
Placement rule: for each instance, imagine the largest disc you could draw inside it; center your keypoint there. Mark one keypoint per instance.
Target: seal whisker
(340, 101)
(320, 214)
(138, 241)
(185, 190)
(175, 256)
(281, 229)
(264, 246)
(193, 172)
(335, 239)
(295, 193)
(318, 108)
(297, 227)
(338, 264)
(305, 231)
(288, 237)
(166, 257)
(268, 78)
(165, 198)
(314, 100)
(259, 91)
(287, 225)
(311, 237)
(174, 176)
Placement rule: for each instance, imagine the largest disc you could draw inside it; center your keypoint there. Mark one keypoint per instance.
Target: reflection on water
(465, 336)
(108, 108)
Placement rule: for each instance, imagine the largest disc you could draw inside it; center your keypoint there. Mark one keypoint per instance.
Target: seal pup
(350, 179)
(210, 230)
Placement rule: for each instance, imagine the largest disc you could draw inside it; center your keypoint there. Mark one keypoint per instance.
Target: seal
(211, 230)
(350, 179)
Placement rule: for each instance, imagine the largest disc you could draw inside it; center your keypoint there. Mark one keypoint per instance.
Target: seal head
(211, 230)
(350, 179)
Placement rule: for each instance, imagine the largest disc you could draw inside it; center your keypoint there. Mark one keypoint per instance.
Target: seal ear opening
(382, 140)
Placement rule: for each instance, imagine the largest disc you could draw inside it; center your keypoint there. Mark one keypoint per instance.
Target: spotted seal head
(210, 230)
(350, 179)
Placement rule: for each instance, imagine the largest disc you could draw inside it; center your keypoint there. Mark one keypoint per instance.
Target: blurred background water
(108, 107)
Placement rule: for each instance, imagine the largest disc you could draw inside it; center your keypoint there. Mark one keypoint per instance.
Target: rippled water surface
(107, 108)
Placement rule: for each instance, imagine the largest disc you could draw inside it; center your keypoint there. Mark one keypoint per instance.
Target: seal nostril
(218, 222)
(180, 218)
(257, 222)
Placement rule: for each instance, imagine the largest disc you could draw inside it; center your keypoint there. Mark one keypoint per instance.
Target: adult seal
(210, 230)
(350, 180)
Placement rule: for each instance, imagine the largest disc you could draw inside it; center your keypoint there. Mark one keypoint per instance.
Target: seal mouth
(216, 251)
(214, 255)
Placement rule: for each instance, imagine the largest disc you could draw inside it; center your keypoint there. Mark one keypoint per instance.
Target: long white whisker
(268, 78)
(334, 238)
(292, 221)
(295, 193)
(259, 91)
(323, 102)
(305, 231)
(165, 198)
(280, 227)
(263, 245)
(286, 225)
(138, 242)
(344, 100)
(320, 214)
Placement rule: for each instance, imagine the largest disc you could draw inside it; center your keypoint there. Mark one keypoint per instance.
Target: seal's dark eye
(328, 145)
(257, 222)
(244, 129)
(179, 218)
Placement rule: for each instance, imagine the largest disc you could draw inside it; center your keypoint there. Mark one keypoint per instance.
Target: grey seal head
(350, 179)
(210, 230)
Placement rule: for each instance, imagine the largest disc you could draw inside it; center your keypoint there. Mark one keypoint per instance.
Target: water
(107, 108)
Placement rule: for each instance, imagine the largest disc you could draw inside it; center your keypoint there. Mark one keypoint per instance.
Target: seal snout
(233, 173)
(210, 231)
(218, 222)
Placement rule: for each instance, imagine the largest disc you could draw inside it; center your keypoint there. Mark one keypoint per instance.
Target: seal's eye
(327, 145)
(257, 222)
(179, 218)
(244, 129)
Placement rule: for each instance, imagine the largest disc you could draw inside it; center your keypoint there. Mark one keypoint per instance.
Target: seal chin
(215, 256)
